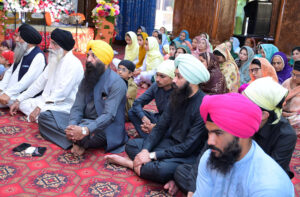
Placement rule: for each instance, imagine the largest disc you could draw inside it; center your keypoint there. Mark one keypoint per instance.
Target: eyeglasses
(255, 70)
(278, 63)
(123, 69)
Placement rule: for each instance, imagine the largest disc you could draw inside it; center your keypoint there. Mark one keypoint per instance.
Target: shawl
(187, 38)
(154, 57)
(185, 48)
(244, 69)
(229, 69)
(132, 51)
(269, 50)
(217, 82)
(285, 73)
(266, 68)
(142, 51)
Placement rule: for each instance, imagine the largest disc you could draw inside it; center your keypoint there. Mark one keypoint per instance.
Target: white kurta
(60, 84)
(10, 84)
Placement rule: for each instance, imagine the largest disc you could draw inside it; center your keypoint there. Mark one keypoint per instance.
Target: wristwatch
(152, 156)
(83, 130)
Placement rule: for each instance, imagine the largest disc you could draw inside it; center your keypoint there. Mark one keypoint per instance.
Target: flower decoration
(106, 8)
(56, 8)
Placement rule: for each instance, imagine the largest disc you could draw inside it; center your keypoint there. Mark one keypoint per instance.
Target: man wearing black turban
(29, 63)
(59, 81)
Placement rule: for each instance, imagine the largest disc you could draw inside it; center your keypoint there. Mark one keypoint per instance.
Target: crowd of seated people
(227, 116)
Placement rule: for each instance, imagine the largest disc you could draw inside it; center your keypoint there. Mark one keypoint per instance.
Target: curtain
(135, 13)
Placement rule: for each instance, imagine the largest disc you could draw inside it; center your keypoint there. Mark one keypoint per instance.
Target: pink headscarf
(197, 52)
(233, 113)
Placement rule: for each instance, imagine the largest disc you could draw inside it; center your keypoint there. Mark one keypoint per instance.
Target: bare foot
(122, 161)
(171, 187)
(77, 150)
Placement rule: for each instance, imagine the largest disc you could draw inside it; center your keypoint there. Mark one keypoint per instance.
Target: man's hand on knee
(14, 108)
(141, 158)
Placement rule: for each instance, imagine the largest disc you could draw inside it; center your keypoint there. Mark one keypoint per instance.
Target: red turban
(233, 113)
(9, 56)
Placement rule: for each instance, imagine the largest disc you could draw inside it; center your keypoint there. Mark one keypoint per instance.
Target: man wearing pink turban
(235, 165)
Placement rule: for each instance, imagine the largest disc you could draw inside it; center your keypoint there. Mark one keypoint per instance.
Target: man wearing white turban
(159, 91)
(179, 134)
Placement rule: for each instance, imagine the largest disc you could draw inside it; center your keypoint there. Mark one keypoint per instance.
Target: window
(164, 14)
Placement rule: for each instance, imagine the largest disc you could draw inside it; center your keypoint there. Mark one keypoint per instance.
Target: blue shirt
(256, 174)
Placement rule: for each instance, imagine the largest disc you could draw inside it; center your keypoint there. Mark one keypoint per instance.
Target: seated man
(144, 120)
(97, 117)
(29, 63)
(59, 81)
(275, 136)
(291, 107)
(178, 135)
(235, 165)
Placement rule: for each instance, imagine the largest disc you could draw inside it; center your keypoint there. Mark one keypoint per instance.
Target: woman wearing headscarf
(235, 44)
(228, 44)
(206, 36)
(164, 31)
(202, 47)
(217, 82)
(182, 49)
(283, 70)
(261, 67)
(183, 37)
(141, 29)
(142, 52)
(246, 56)
(131, 49)
(228, 67)
(152, 60)
(267, 51)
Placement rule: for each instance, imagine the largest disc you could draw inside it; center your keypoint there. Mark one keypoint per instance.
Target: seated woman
(250, 42)
(152, 60)
(202, 47)
(184, 38)
(261, 67)
(164, 31)
(131, 49)
(182, 49)
(267, 51)
(206, 36)
(283, 70)
(142, 52)
(230, 49)
(195, 42)
(173, 47)
(141, 29)
(295, 55)
(161, 39)
(228, 67)
(217, 82)
(246, 56)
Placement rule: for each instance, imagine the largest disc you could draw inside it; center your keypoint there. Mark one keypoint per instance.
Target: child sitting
(125, 70)
(6, 60)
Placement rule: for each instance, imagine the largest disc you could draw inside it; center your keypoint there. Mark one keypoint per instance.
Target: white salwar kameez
(60, 84)
(10, 84)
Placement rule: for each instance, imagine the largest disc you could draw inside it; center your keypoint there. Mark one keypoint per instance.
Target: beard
(92, 74)
(180, 95)
(19, 51)
(53, 59)
(55, 56)
(225, 161)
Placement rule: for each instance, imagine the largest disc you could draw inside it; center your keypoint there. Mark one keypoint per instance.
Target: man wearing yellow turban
(97, 117)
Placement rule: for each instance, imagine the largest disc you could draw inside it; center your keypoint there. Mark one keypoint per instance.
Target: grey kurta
(109, 97)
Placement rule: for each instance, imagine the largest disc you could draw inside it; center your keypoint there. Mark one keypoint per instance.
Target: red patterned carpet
(58, 173)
